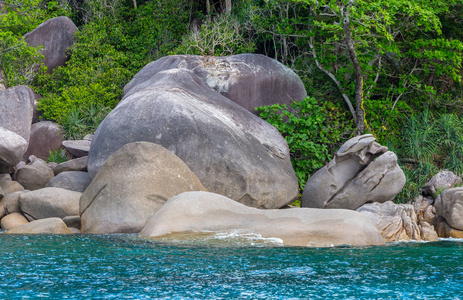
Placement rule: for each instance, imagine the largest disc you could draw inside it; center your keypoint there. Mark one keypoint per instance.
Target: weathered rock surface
(250, 80)
(49, 202)
(16, 107)
(232, 152)
(445, 230)
(13, 220)
(78, 164)
(55, 35)
(71, 180)
(441, 181)
(202, 211)
(9, 186)
(449, 206)
(77, 148)
(362, 171)
(12, 202)
(35, 175)
(12, 148)
(132, 185)
(45, 136)
(398, 222)
(49, 225)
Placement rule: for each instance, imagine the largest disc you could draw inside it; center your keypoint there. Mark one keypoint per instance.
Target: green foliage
(58, 156)
(313, 132)
(430, 143)
(19, 61)
(84, 120)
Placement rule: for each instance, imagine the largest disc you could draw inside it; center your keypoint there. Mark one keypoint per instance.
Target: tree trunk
(359, 111)
(134, 3)
(228, 6)
(2, 79)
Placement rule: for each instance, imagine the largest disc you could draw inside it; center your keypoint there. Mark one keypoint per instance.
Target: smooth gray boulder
(34, 175)
(250, 80)
(439, 182)
(49, 202)
(77, 148)
(12, 148)
(449, 206)
(398, 222)
(72, 180)
(44, 226)
(78, 164)
(131, 186)
(362, 171)
(12, 202)
(55, 36)
(206, 212)
(233, 152)
(16, 107)
(45, 136)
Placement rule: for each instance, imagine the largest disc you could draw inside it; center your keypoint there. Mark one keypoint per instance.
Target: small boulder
(250, 80)
(44, 226)
(362, 171)
(78, 164)
(206, 212)
(35, 175)
(441, 181)
(77, 148)
(55, 35)
(131, 186)
(10, 186)
(71, 180)
(49, 202)
(12, 148)
(12, 202)
(13, 220)
(16, 107)
(45, 136)
(449, 206)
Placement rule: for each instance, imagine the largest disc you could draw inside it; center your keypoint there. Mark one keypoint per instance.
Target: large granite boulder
(398, 222)
(16, 107)
(362, 171)
(43, 226)
(202, 211)
(131, 186)
(449, 206)
(45, 136)
(233, 152)
(250, 80)
(12, 148)
(34, 175)
(55, 35)
(49, 202)
(71, 180)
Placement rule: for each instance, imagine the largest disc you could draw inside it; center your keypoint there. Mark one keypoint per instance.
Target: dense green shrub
(313, 131)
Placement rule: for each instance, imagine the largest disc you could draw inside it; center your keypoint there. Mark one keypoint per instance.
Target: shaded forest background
(389, 68)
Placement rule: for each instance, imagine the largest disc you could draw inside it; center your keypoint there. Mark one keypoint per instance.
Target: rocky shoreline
(182, 151)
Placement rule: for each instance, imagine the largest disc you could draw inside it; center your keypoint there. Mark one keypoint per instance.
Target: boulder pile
(183, 152)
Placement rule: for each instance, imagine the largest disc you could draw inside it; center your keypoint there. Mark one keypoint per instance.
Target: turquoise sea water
(223, 267)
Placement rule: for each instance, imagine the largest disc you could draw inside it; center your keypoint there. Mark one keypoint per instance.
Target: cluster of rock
(183, 151)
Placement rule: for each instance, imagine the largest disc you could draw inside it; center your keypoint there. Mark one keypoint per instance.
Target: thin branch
(338, 84)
